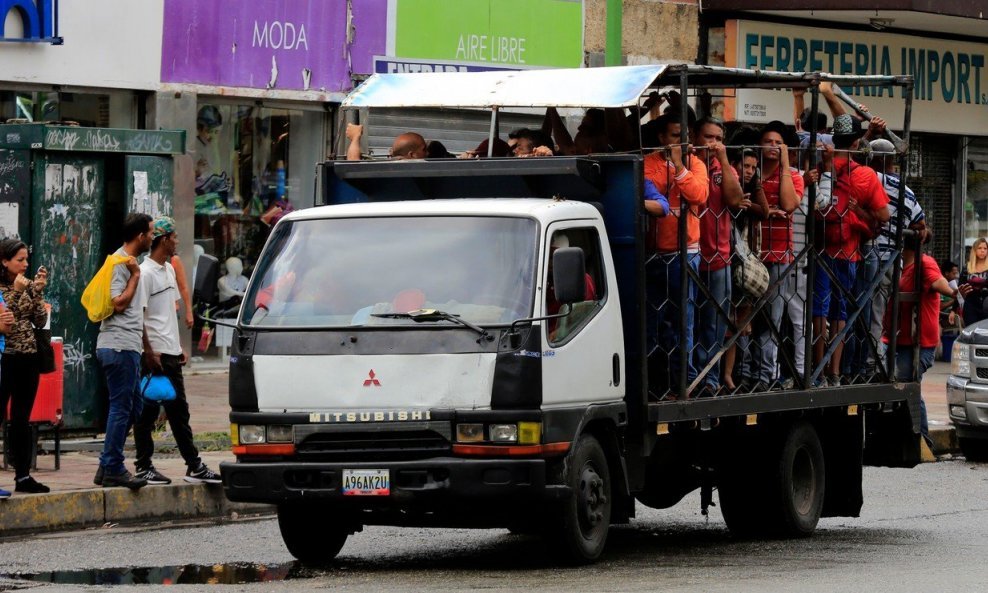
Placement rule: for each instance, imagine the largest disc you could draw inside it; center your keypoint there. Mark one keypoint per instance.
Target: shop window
(976, 201)
(100, 110)
(253, 165)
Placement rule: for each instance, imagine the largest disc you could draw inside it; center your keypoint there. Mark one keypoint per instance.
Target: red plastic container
(48, 403)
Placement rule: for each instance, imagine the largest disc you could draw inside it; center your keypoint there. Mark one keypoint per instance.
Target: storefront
(950, 104)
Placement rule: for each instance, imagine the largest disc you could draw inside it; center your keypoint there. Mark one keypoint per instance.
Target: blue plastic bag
(157, 388)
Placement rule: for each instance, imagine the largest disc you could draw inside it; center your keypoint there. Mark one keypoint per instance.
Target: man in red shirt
(927, 334)
(681, 178)
(858, 204)
(715, 248)
(783, 188)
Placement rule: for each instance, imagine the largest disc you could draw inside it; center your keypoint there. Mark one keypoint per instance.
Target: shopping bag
(157, 388)
(96, 298)
(205, 338)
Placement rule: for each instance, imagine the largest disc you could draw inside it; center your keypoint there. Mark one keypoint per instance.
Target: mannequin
(234, 284)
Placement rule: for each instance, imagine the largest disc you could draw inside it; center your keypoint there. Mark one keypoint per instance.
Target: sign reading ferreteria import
(260, 44)
(436, 35)
(951, 78)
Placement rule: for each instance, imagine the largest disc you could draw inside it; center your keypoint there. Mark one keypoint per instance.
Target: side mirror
(207, 277)
(568, 275)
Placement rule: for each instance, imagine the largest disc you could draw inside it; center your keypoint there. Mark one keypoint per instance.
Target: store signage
(386, 65)
(262, 44)
(485, 34)
(38, 21)
(951, 78)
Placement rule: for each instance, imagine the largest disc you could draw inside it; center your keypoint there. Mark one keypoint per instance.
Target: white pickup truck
(462, 343)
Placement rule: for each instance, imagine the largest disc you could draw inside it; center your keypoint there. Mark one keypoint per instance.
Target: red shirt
(929, 305)
(715, 222)
(843, 230)
(777, 232)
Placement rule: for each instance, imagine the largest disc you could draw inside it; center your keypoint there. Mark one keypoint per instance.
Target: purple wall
(241, 44)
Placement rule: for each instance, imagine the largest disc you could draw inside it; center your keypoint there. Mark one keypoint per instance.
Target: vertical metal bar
(684, 294)
(808, 362)
(493, 133)
(900, 214)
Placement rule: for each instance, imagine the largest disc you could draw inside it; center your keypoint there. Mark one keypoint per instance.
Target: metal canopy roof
(616, 86)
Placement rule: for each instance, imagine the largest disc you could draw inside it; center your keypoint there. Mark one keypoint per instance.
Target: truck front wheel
(312, 535)
(585, 517)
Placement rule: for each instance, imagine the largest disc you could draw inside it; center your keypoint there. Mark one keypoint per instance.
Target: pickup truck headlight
(251, 434)
(960, 360)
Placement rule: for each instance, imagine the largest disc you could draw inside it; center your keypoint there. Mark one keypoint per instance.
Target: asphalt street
(920, 530)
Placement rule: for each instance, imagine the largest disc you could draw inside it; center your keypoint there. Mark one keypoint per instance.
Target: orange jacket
(692, 185)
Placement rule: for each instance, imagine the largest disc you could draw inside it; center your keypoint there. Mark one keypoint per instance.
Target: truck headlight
(251, 434)
(469, 433)
(280, 433)
(960, 360)
(504, 433)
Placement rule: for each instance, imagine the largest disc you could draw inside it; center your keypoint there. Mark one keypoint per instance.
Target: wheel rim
(803, 481)
(592, 500)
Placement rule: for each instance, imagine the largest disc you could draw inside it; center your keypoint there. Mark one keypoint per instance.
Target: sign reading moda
(38, 20)
(437, 35)
(950, 75)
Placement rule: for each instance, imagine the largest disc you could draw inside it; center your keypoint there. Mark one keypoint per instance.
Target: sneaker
(4, 493)
(125, 480)
(203, 475)
(833, 381)
(153, 477)
(98, 478)
(787, 384)
(30, 486)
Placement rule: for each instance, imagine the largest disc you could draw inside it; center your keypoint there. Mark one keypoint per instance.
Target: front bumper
(967, 405)
(428, 484)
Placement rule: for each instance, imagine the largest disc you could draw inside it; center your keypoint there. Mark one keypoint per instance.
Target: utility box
(65, 190)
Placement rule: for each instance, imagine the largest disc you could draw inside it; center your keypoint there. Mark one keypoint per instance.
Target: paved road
(921, 530)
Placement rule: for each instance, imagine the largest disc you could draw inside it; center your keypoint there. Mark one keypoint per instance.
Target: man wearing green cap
(163, 355)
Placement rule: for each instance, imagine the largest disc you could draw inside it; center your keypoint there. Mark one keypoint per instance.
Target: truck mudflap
(426, 484)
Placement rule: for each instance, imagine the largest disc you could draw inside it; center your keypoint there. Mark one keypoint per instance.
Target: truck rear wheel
(780, 492)
(312, 535)
(585, 517)
(974, 449)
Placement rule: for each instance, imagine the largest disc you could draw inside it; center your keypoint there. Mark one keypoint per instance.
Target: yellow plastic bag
(96, 297)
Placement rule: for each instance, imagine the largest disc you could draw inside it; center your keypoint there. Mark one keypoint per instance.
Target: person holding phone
(19, 366)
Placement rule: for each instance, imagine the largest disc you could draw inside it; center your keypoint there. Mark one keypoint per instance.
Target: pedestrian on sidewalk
(6, 322)
(163, 355)
(118, 350)
(20, 371)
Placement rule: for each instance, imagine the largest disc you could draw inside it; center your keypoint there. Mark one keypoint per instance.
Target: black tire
(779, 491)
(311, 535)
(585, 518)
(974, 449)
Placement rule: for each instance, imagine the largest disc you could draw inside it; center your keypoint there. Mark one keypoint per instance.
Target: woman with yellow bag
(19, 367)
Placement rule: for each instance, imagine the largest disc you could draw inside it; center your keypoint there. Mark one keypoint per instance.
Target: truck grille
(981, 352)
(982, 372)
(373, 446)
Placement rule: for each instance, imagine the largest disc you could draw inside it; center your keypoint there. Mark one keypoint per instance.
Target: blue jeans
(904, 372)
(664, 310)
(711, 324)
(854, 360)
(123, 373)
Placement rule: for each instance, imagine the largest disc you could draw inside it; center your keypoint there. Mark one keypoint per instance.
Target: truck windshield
(347, 272)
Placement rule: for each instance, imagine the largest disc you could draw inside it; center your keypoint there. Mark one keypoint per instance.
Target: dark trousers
(19, 385)
(177, 411)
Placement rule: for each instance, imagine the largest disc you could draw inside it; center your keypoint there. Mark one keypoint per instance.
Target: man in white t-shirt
(163, 355)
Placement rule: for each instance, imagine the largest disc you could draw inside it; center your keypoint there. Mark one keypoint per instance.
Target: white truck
(463, 343)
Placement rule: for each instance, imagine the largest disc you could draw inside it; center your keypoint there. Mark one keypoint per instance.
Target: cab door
(583, 353)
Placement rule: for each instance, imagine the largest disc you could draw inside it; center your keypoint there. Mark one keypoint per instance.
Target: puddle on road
(189, 574)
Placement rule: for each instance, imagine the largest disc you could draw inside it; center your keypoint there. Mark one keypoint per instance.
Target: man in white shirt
(163, 355)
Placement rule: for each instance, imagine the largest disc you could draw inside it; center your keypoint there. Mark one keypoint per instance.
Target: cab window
(562, 329)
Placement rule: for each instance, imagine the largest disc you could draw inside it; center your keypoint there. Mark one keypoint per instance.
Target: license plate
(366, 482)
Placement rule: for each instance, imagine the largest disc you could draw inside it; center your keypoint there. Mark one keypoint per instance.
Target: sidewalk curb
(80, 509)
(944, 440)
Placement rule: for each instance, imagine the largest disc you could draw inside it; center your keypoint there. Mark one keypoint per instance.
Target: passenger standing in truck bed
(679, 177)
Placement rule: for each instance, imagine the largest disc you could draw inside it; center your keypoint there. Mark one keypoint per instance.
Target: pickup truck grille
(373, 446)
(982, 373)
(981, 352)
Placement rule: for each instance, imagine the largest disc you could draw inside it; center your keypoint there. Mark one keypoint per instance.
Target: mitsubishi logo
(371, 380)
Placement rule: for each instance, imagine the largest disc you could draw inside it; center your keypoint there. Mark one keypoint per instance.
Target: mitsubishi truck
(467, 343)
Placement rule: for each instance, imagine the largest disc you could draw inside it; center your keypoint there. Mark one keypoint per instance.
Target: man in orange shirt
(683, 180)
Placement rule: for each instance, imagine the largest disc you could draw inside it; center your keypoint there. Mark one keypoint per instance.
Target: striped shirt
(885, 241)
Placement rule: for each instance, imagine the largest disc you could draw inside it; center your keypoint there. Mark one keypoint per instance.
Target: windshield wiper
(420, 315)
